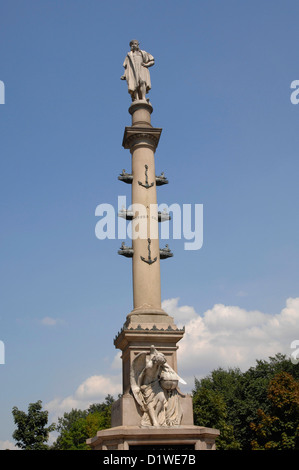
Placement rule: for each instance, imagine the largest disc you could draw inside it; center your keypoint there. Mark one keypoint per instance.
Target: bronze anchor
(149, 260)
(146, 185)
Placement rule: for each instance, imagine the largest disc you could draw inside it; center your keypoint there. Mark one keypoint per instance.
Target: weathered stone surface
(122, 437)
(136, 72)
(125, 411)
(152, 410)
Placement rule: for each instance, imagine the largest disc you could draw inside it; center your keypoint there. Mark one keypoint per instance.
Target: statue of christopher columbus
(136, 73)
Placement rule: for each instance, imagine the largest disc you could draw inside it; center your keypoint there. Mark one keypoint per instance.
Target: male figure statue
(136, 71)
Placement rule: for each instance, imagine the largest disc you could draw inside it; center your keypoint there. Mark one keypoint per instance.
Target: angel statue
(154, 386)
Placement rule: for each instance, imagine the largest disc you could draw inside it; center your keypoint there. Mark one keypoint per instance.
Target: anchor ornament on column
(146, 185)
(149, 260)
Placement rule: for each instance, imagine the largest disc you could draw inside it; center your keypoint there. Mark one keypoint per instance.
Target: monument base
(168, 438)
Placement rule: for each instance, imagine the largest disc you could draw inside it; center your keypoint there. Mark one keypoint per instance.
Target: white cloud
(223, 336)
(49, 321)
(181, 314)
(117, 364)
(4, 445)
(241, 293)
(96, 386)
(93, 390)
(230, 336)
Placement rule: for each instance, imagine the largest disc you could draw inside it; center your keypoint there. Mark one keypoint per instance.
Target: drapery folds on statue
(136, 72)
(154, 386)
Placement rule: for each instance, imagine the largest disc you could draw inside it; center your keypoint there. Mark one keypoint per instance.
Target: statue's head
(134, 45)
(157, 357)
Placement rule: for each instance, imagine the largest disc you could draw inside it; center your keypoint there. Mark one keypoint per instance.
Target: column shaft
(146, 276)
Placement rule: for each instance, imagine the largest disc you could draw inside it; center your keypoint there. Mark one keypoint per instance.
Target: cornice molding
(141, 136)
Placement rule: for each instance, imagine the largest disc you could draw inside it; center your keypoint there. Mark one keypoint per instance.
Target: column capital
(141, 135)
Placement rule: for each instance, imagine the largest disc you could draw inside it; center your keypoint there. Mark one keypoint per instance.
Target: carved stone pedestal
(132, 341)
(126, 432)
(136, 438)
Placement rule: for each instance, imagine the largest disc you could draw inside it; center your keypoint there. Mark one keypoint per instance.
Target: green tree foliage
(72, 431)
(31, 432)
(229, 399)
(78, 425)
(210, 406)
(279, 428)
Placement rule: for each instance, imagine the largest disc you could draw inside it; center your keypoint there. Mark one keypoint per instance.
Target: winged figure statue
(154, 386)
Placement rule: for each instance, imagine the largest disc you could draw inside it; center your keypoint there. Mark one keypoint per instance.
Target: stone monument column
(151, 410)
(142, 140)
(147, 323)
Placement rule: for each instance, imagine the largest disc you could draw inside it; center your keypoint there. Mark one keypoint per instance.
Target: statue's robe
(153, 394)
(133, 76)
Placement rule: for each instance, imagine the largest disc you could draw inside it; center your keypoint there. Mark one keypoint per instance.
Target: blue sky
(230, 141)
